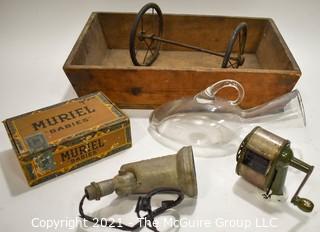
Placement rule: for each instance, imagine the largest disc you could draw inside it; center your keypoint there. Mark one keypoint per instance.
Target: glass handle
(209, 94)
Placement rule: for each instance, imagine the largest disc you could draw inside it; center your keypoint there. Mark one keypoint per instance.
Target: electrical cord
(143, 204)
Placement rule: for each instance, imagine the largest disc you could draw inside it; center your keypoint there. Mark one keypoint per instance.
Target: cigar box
(55, 140)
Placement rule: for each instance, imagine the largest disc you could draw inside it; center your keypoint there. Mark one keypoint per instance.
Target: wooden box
(100, 60)
(52, 141)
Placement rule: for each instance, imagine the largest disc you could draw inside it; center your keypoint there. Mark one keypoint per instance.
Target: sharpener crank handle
(304, 204)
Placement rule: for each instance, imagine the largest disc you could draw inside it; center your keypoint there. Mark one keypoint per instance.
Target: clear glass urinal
(213, 125)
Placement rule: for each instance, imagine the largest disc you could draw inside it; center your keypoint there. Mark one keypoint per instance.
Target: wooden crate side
(116, 28)
(273, 52)
(211, 32)
(91, 45)
(144, 88)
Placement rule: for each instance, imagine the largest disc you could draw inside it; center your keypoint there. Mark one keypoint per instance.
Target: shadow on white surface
(69, 94)
(138, 113)
(188, 206)
(13, 173)
(249, 193)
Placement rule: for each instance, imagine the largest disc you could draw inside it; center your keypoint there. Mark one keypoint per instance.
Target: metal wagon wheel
(149, 21)
(238, 38)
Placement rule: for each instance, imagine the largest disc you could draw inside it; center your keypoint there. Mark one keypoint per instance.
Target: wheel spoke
(148, 49)
(231, 64)
(151, 51)
(149, 46)
(145, 42)
(145, 56)
(148, 26)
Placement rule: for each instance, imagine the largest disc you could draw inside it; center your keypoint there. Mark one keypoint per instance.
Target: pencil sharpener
(263, 159)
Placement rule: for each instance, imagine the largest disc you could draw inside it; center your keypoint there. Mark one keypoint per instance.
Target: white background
(35, 40)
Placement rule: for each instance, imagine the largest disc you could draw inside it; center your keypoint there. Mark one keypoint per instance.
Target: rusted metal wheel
(236, 46)
(149, 22)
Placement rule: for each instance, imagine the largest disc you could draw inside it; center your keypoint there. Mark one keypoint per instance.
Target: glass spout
(287, 109)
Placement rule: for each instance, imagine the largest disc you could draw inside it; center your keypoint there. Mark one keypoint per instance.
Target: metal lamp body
(174, 171)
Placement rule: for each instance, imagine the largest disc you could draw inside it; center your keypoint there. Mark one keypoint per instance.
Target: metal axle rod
(153, 37)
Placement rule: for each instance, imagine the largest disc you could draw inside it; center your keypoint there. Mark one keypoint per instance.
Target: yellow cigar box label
(60, 138)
